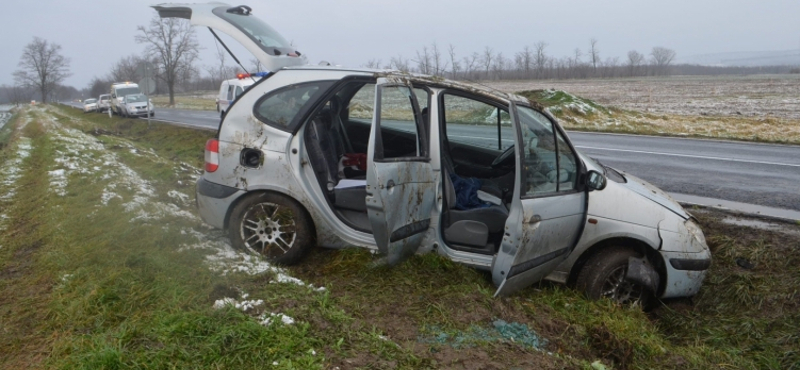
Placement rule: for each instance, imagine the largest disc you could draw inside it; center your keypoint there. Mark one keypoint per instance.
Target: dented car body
(404, 164)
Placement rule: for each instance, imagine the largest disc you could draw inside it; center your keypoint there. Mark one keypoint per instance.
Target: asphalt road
(760, 174)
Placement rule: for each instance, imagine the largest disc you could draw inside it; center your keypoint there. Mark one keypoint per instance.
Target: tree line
(171, 49)
(534, 63)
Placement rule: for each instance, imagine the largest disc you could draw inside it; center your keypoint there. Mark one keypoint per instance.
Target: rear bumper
(214, 201)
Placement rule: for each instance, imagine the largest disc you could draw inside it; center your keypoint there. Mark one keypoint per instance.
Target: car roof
(416, 78)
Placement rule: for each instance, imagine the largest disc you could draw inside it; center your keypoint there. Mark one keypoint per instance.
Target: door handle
(535, 219)
(390, 184)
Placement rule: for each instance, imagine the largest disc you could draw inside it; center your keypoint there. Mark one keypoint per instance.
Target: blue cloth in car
(467, 192)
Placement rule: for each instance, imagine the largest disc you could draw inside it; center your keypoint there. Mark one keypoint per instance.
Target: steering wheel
(503, 157)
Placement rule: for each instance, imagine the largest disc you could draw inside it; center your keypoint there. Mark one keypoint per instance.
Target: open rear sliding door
(400, 187)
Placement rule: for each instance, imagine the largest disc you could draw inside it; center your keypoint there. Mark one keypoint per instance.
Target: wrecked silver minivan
(406, 164)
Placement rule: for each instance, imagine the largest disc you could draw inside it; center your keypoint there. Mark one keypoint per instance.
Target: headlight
(696, 232)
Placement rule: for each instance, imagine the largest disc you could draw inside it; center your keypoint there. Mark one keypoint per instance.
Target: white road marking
(690, 156)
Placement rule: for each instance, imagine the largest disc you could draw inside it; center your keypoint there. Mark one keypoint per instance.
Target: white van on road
(229, 90)
(118, 92)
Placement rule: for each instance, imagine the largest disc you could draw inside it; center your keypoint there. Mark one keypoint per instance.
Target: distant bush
(794, 71)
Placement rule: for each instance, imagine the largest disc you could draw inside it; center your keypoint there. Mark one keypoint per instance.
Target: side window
(476, 123)
(361, 105)
(284, 107)
(401, 134)
(549, 163)
(230, 92)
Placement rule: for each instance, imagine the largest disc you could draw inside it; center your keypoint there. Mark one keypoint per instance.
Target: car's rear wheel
(603, 276)
(273, 226)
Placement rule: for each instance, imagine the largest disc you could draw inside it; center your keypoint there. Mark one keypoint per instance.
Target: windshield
(265, 36)
(127, 91)
(135, 98)
(90, 101)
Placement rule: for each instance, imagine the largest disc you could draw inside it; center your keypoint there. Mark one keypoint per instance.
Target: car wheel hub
(268, 229)
(621, 290)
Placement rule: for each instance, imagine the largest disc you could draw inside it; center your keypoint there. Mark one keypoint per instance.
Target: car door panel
(400, 190)
(540, 233)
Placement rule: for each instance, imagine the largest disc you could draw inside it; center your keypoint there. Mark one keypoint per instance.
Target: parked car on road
(89, 105)
(136, 105)
(229, 90)
(118, 91)
(404, 164)
(103, 102)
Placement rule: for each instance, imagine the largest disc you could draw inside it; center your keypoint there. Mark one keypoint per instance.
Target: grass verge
(104, 264)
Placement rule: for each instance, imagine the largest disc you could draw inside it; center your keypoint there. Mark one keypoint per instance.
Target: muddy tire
(273, 226)
(603, 276)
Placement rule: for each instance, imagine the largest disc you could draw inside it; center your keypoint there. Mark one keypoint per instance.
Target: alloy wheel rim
(268, 229)
(620, 290)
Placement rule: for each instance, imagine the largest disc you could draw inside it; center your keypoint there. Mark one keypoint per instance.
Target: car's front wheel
(603, 276)
(273, 226)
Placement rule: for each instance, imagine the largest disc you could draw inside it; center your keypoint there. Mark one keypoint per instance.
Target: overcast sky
(94, 34)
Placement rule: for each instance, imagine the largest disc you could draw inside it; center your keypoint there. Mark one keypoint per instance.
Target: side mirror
(595, 180)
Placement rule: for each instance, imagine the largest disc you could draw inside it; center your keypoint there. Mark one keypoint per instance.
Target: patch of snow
(244, 306)
(226, 260)
(181, 197)
(266, 319)
(58, 182)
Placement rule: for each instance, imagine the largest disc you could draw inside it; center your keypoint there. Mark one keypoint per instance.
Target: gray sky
(94, 34)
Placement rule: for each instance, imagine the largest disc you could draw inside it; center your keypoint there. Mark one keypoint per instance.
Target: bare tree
(541, 57)
(17, 94)
(662, 57)
(486, 60)
(373, 63)
(125, 69)
(594, 53)
(423, 61)
(635, 59)
(500, 65)
(42, 67)
(173, 42)
(524, 61)
(399, 64)
(454, 65)
(436, 58)
(470, 64)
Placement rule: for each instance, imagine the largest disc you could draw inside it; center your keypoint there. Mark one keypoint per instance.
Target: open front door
(266, 44)
(400, 180)
(548, 210)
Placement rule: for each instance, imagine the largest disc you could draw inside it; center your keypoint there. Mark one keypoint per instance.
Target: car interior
(478, 161)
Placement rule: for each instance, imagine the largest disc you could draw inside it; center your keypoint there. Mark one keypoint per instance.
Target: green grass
(90, 286)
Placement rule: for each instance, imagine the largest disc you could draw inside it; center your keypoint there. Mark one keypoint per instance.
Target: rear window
(283, 108)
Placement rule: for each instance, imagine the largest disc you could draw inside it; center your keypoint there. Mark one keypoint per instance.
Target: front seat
(471, 227)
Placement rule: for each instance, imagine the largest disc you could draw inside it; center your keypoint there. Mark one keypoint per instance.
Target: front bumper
(214, 201)
(685, 272)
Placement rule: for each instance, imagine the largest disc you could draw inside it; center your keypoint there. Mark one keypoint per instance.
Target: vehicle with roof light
(229, 90)
(118, 92)
(402, 163)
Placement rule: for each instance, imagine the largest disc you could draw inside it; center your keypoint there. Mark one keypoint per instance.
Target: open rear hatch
(266, 44)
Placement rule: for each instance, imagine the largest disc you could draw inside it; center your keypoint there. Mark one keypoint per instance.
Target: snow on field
(756, 95)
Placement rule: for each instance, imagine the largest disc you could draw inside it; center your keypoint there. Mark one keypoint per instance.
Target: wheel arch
(643, 248)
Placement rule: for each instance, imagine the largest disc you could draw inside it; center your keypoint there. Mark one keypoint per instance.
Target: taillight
(212, 155)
